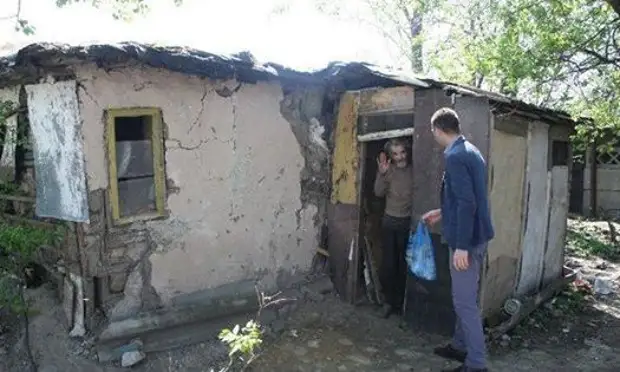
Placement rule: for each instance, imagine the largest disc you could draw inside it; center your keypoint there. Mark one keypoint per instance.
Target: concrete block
(205, 306)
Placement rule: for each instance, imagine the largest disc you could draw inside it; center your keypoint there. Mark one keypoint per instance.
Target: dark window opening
(560, 151)
(134, 165)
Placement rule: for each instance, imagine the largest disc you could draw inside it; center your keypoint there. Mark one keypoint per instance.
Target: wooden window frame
(157, 144)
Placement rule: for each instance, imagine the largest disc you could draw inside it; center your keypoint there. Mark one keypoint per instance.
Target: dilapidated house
(529, 160)
(183, 173)
(188, 177)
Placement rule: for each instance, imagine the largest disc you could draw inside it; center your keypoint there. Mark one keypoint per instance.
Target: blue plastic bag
(420, 255)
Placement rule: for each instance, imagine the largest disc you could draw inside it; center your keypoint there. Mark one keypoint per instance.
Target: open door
(428, 304)
(361, 118)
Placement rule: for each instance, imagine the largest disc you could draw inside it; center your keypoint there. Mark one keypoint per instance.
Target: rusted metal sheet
(54, 116)
(558, 213)
(537, 211)
(385, 100)
(508, 154)
(345, 160)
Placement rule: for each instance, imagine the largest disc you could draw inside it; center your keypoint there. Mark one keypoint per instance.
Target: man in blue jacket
(467, 228)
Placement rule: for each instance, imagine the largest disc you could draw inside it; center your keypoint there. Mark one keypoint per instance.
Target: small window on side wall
(560, 153)
(136, 163)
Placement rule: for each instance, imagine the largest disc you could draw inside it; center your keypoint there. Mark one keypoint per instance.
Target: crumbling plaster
(235, 211)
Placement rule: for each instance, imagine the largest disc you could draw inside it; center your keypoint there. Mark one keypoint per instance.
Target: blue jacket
(465, 214)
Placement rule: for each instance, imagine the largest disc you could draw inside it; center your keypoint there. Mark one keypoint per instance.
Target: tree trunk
(415, 23)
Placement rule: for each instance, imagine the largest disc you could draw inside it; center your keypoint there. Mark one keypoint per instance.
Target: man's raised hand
(383, 162)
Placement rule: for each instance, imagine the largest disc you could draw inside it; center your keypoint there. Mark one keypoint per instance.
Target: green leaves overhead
(562, 54)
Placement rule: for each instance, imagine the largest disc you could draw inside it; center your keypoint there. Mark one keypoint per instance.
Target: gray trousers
(468, 332)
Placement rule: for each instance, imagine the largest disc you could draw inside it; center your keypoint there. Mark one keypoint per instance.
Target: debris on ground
(579, 330)
(131, 358)
(603, 286)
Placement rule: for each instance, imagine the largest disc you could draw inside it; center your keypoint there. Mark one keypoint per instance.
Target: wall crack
(196, 121)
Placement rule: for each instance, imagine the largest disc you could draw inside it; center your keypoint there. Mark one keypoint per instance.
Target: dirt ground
(578, 331)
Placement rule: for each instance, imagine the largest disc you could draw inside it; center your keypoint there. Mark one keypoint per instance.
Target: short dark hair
(447, 120)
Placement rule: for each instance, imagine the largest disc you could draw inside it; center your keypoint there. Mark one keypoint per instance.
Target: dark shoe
(449, 352)
(464, 368)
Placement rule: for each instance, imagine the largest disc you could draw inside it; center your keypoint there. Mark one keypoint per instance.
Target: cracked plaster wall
(234, 171)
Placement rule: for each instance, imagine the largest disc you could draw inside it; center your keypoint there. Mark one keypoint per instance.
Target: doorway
(364, 116)
(370, 249)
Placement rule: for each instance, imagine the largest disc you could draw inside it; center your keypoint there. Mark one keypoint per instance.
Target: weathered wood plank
(55, 122)
(536, 201)
(427, 155)
(554, 255)
(475, 121)
(343, 212)
(385, 135)
(428, 305)
(508, 155)
(385, 100)
(512, 124)
(345, 160)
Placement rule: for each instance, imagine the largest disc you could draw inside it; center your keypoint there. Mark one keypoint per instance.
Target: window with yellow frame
(136, 163)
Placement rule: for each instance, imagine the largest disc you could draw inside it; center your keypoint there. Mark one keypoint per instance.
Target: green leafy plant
(242, 343)
(18, 247)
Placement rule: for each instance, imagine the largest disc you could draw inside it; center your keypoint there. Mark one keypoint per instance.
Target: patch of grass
(588, 240)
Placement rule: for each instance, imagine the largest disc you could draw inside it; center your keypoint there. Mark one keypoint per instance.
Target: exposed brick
(125, 238)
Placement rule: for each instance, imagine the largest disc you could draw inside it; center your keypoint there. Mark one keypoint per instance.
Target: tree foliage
(558, 53)
(119, 9)
(561, 54)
